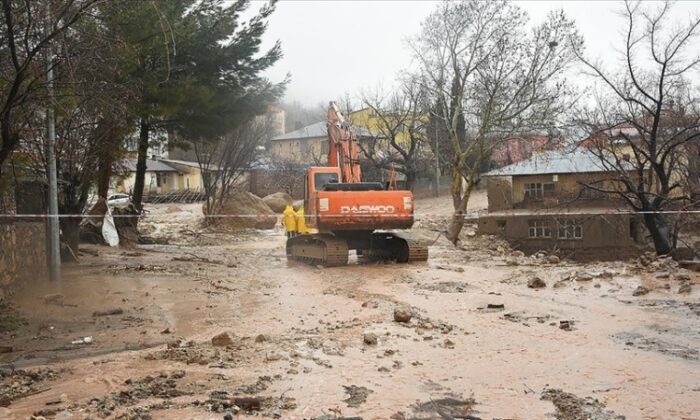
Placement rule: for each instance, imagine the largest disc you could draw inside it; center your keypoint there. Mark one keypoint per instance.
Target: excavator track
(416, 251)
(320, 249)
(396, 247)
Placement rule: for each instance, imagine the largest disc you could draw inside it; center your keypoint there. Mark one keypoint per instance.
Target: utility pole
(54, 244)
(437, 162)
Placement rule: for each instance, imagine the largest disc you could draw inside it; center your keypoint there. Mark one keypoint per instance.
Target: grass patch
(11, 322)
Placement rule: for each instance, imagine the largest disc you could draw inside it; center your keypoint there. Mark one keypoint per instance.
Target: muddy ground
(598, 341)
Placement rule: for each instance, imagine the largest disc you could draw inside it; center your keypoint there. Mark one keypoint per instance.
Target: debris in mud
(523, 317)
(163, 386)
(444, 408)
(53, 299)
(197, 259)
(259, 386)
(357, 395)
(195, 353)
(403, 314)
(149, 268)
(536, 283)
(640, 291)
(495, 306)
(445, 286)
(108, 312)
(221, 340)
(17, 384)
(570, 407)
(641, 342)
(370, 339)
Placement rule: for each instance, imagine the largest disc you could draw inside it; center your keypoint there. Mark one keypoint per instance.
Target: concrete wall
(604, 236)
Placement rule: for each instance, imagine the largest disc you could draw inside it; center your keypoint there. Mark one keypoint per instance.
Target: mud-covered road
(303, 342)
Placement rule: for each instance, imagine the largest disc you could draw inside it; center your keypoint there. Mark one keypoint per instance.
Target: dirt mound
(278, 201)
(242, 210)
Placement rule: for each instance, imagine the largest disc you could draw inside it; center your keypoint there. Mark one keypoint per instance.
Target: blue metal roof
(556, 162)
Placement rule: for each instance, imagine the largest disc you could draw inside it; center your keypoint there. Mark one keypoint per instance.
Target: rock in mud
(261, 338)
(370, 339)
(357, 395)
(278, 201)
(221, 340)
(684, 288)
(640, 291)
(584, 277)
(552, 259)
(536, 283)
(403, 314)
(517, 254)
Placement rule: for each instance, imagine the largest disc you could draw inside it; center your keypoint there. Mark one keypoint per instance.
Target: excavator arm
(343, 151)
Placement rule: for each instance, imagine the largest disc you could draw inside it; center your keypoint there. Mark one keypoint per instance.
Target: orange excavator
(350, 214)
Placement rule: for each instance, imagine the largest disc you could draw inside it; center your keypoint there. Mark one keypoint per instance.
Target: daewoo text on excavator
(350, 214)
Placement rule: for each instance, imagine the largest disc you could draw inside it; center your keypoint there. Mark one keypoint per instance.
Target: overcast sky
(334, 47)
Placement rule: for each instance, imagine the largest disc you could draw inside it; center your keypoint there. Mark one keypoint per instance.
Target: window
(501, 224)
(323, 178)
(548, 188)
(538, 229)
(570, 229)
(533, 190)
(592, 190)
(539, 189)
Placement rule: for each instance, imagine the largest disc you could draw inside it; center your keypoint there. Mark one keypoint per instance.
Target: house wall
(499, 193)
(567, 189)
(302, 151)
(604, 236)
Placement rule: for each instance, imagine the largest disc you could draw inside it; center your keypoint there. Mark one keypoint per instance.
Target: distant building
(164, 176)
(554, 201)
(160, 177)
(516, 149)
(308, 145)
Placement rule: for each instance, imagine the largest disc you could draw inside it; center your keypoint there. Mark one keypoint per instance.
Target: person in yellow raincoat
(289, 220)
(301, 221)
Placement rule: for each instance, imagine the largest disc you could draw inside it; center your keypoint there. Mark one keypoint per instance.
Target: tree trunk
(457, 221)
(104, 174)
(659, 231)
(410, 180)
(70, 228)
(137, 199)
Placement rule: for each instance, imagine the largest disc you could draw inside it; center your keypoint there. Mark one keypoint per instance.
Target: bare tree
(399, 120)
(28, 28)
(490, 78)
(645, 124)
(224, 161)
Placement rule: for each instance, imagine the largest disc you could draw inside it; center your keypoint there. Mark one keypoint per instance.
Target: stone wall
(23, 253)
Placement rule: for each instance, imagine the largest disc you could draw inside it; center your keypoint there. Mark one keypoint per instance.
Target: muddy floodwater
(301, 342)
